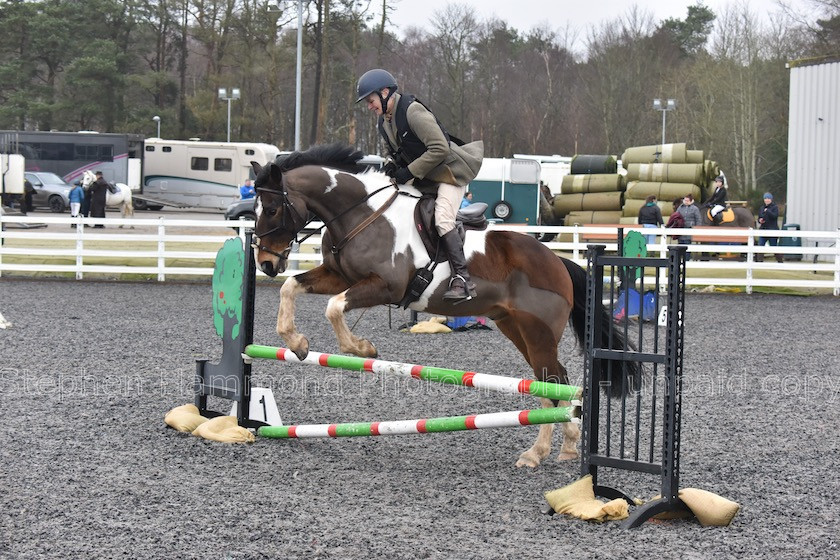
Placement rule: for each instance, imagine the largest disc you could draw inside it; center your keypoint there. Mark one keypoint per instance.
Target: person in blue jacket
(77, 197)
(247, 190)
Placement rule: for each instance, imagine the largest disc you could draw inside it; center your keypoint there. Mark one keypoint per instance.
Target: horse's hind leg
(539, 347)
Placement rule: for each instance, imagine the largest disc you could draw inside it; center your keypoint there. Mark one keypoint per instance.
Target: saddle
(468, 218)
(728, 215)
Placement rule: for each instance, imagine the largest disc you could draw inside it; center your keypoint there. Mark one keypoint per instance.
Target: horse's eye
(270, 210)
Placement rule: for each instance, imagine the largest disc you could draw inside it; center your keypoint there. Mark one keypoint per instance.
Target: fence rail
(165, 247)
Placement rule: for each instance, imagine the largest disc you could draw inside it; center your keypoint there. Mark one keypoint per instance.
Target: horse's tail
(611, 337)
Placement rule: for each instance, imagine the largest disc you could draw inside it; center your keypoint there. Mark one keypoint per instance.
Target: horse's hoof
(300, 346)
(528, 459)
(567, 456)
(367, 350)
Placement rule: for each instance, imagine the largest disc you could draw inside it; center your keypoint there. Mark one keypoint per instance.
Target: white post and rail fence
(166, 249)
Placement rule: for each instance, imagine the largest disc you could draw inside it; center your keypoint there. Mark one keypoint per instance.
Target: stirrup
(458, 290)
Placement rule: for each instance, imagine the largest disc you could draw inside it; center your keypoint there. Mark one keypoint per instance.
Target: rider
(421, 149)
(717, 202)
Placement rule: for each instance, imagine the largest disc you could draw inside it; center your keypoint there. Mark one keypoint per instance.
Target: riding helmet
(375, 81)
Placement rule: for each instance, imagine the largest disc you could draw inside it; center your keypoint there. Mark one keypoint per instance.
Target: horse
(743, 218)
(121, 199)
(372, 249)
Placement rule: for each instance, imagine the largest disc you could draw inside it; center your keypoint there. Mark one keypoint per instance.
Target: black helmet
(374, 81)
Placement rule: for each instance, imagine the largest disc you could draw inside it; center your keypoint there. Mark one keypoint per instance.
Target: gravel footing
(89, 470)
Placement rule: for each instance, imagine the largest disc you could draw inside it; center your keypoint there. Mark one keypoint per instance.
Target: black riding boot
(461, 287)
(718, 218)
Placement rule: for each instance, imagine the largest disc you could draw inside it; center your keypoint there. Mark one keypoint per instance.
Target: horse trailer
(194, 174)
(70, 154)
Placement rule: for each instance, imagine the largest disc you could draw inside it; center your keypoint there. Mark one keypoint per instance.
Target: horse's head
(88, 177)
(280, 216)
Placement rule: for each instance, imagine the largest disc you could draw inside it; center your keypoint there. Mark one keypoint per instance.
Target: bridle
(287, 208)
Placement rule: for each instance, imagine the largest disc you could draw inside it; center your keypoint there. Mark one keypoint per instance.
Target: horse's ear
(276, 174)
(256, 167)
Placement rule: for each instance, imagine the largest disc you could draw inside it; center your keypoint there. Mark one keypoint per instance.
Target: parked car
(241, 209)
(51, 191)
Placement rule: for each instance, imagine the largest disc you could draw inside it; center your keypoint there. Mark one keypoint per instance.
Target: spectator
(247, 190)
(768, 218)
(675, 220)
(691, 214)
(650, 216)
(98, 192)
(77, 197)
(26, 201)
(467, 200)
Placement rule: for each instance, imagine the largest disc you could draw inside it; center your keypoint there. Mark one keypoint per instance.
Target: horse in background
(121, 199)
(741, 218)
(372, 249)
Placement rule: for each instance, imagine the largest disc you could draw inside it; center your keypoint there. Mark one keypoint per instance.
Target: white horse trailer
(193, 174)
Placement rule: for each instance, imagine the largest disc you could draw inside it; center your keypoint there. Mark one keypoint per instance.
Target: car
(241, 209)
(51, 191)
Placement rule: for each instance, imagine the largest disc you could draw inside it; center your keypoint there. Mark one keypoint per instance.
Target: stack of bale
(668, 172)
(592, 193)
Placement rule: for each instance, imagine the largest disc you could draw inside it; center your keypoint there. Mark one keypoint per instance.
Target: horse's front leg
(369, 292)
(319, 281)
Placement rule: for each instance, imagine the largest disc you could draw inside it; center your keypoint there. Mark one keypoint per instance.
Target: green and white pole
(426, 426)
(499, 383)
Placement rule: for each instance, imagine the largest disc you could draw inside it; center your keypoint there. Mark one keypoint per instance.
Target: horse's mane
(336, 155)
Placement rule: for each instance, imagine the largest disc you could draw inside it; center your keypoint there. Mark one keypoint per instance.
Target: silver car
(51, 191)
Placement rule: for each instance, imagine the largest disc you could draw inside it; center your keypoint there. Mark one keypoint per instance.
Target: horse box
(510, 188)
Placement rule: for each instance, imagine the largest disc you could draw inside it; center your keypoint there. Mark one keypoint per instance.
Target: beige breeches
(447, 203)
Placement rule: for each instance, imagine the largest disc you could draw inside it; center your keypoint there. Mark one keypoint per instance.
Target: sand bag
(224, 429)
(184, 418)
(578, 500)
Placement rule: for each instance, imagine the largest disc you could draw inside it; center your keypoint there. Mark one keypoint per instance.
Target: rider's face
(374, 103)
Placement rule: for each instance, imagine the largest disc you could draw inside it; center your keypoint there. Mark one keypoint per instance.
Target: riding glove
(390, 169)
(403, 175)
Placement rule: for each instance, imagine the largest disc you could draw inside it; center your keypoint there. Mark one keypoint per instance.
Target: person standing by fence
(768, 218)
(98, 192)
(77, 197)
(691, 215)
(650, 216)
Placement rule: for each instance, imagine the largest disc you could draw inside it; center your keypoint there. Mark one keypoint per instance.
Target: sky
(523, 15)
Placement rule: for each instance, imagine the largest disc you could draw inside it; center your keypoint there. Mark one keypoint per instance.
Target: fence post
(80, 246)
(161, 250)
(837, 262)
(751, 250)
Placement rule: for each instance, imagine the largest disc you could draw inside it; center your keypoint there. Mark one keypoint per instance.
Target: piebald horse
(371, 250)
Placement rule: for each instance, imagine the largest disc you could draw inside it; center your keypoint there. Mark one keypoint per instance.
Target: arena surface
(89, 469)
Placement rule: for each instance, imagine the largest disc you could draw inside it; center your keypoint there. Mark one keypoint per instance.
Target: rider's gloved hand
(403, 175)
(390, 168)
